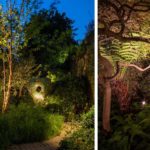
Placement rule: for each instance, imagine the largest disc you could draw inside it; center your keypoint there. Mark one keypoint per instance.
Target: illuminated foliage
(124, 42)
(49, 36)
(123, 30)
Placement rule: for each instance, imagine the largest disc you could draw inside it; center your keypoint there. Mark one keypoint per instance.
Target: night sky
(81, 11)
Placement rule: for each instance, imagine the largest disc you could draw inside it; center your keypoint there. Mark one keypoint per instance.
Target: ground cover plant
(83, 138)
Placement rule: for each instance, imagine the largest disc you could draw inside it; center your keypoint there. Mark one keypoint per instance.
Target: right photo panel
(124, 74)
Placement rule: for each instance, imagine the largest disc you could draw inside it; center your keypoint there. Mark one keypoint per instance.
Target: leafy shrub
(88, 119)
(54, 104)
(4, 134)
(71, 95)
(83, 139)
(130, 131)
(80, 140)
(25, 98)
(26, 123)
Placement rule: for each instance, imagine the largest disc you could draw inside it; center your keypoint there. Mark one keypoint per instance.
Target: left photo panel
(46, 75)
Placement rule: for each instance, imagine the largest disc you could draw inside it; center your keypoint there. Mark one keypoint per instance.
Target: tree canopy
(50, 38)
(124, 29)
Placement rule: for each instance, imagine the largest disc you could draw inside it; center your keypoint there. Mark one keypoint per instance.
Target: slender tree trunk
(8, 91)
(107, 107)
(4, 80)
(20, 91)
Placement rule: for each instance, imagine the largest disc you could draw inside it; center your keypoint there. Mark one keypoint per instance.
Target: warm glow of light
(143, 103)
(38, 96)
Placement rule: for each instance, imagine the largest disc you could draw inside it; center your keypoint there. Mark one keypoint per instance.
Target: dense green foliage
(88, 118)
(70, 97)
(4, 133)
(26, 123)
(80, 140)
(129, 131)
(83, 138)
(49, 37)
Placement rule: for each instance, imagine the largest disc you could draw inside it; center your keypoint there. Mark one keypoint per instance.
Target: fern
(130, 52)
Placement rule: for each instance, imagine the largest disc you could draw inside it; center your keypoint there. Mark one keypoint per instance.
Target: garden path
(52, 144)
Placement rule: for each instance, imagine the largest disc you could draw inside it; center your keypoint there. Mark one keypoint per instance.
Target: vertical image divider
(96, 74)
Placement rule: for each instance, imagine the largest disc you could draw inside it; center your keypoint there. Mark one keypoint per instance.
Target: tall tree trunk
(4, 80)
(10, 40)
(8, 91)
(107, 107)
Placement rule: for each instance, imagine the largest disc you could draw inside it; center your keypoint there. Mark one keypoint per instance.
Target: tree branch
(116, 73)
(121, 37)
(135, 66)
(123, 12)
